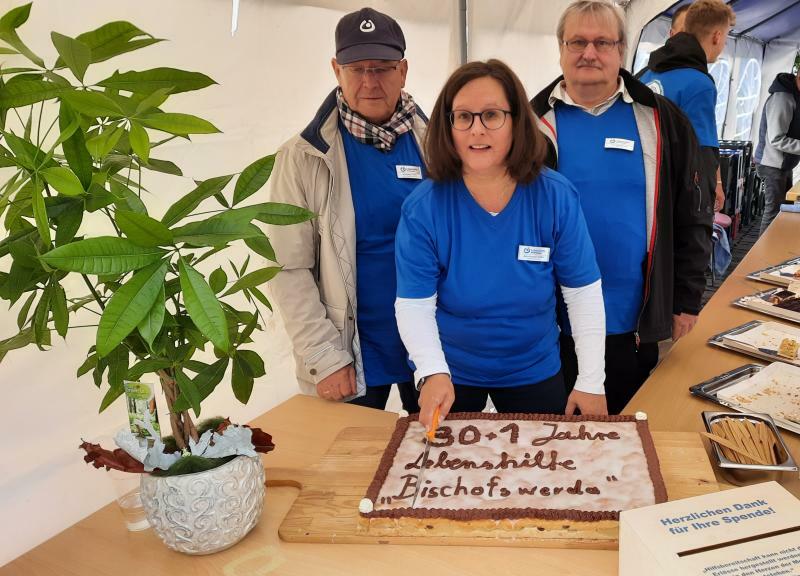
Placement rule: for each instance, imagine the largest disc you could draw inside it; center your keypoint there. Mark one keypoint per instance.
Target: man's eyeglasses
(602, 45)
(492, 119)
(378, 72)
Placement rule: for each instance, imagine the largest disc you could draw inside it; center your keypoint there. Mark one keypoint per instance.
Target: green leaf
(92, 104)
(205, 382)
(126, 199)
(59, 308)
(140, 142)
(113, 393)
(117, 362)
(104, 142)
(259, 296)
(74, 53)
(261, 245)
(154, 100)
(254, 361)
(163, 166)
(143, 230)
(22, 317)
(20, 340)
(11, 38)
(98, 198)
(192, 200)
(241, 379)
(147, 81)
(218, 280)
(101, 255)
(113, 39)
(15, 17)
(283, 214)
(69, 222)
(20, 92)
(151, 324)
(40, 316)
(63, 180)
(40, 215)
(75, 151)
(29, 155)
(212, 232)
(254, 279)
(88, 364)
(189, 390)
(203, 307)
(178, 124)
(147, 366)
(253, 178)
(129, 305)
(191, 465)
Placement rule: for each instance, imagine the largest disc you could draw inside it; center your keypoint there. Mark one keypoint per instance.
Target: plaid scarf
(383, 137)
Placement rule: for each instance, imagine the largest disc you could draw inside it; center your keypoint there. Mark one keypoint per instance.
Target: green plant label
(141, 401)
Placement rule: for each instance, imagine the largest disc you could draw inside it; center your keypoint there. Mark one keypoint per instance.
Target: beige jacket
(315, 293)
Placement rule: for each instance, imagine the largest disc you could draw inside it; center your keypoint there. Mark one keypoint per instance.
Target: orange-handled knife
(429, 436)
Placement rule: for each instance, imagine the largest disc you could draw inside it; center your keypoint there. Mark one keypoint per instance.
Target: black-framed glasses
(378, 72)
(603, 45)
(492, 119)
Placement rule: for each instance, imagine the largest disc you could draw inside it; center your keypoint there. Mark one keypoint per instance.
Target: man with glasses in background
(353, 165)
(632, 155)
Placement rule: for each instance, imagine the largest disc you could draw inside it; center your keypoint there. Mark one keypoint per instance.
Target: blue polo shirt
(695, 94)
(602, 156)
(495, 277)
(378, 193)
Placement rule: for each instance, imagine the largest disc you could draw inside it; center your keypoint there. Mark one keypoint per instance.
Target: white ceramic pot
(208, 511)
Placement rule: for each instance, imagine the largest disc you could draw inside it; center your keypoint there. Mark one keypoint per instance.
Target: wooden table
(665, 396)
(304, 428)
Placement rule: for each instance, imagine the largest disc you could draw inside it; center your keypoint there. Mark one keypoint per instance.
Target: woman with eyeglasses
(482, 248)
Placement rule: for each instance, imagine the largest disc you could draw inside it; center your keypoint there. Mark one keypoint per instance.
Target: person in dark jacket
(631, 154)
(778, 150)
(679, 71)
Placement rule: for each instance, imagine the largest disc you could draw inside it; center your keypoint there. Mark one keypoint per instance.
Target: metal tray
(750, 473)
(744, 302)
(717, 340)
(709, 389)
(757, 275)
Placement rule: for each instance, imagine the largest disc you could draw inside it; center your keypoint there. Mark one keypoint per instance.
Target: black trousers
(377, 396)
(627, 367)
(546, 397)
(776, 184)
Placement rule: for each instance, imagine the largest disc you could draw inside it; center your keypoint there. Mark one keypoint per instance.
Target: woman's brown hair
(528, 147)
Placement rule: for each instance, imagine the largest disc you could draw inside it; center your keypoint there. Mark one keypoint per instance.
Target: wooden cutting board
(326, 509)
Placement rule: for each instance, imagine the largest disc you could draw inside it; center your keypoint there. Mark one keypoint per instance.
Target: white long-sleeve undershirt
(416, 321)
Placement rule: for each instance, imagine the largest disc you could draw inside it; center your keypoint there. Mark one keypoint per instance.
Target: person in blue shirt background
(481, 249)
(679, 71)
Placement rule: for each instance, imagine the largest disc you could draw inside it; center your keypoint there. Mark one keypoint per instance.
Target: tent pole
(463, 32)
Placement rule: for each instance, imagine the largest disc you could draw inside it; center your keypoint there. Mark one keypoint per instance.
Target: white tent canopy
(273, 73)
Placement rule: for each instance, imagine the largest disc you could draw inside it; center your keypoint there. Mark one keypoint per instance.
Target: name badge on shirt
(533, 253)
(620, 144)
(409, 172)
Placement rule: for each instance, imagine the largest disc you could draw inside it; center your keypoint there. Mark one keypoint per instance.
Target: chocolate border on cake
(385, 465)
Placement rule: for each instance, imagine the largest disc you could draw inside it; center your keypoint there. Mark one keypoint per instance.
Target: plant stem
(94, 292)
(182, 426)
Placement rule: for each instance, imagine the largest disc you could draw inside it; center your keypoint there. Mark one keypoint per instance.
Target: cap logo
(367, 26)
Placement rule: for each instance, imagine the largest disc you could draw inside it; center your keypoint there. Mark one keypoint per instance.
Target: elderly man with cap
(353, 165)
(632, 156)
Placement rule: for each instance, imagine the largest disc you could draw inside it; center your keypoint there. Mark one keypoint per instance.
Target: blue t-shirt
(695, 94)
(602, 157)
(496, 304)
(378, 194)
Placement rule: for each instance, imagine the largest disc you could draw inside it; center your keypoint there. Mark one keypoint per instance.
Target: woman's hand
(437, 391)
(586, 403)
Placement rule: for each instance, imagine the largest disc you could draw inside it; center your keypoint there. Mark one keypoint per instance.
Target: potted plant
(78, 152)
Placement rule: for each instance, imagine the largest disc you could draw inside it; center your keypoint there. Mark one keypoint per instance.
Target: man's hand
(682, 324)
(719, 197)
(437, 391)
(338, 385)
(586, 403)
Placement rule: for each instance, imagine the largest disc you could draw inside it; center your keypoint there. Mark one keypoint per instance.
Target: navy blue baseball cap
(368, 35)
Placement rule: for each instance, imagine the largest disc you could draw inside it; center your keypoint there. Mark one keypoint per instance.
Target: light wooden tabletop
(303, 428)
(665, 396)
